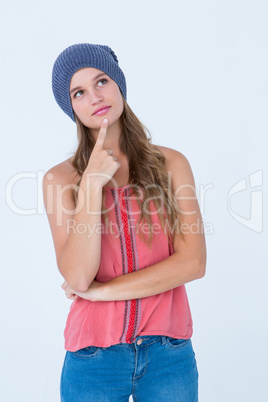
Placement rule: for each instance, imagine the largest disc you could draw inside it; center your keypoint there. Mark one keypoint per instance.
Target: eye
(101, 82)
(78, 94)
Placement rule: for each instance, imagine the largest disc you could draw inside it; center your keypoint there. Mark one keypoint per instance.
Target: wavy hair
(147, 172)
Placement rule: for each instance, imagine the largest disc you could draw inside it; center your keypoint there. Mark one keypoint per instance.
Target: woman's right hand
(102, 165)
(69, 292)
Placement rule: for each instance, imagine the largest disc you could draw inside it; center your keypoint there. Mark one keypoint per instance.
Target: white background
(197, 78)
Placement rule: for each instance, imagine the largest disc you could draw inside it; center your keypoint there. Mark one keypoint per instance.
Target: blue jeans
(153, 368)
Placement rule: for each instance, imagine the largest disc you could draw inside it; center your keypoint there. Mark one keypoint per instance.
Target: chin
(94, 123)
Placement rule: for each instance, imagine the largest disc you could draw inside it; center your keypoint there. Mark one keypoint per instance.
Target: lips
(101, 110)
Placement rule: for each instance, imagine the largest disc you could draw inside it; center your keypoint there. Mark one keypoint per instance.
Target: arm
(189, 259)
(77, 244)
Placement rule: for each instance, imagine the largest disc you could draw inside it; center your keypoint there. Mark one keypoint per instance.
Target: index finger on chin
(102, 134)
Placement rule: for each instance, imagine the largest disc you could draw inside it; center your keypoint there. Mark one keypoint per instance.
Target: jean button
(139, 341)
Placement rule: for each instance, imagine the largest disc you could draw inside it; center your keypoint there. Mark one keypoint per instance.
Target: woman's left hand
(91, 294)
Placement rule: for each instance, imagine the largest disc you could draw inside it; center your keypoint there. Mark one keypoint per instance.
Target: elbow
(79, 286)
(196, 265)
(200, 268)
(201, 272)
(77, 282)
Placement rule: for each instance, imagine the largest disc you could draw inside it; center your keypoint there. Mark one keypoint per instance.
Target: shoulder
(59, 185)
(174, 159)
(63, 173)
(179, 169)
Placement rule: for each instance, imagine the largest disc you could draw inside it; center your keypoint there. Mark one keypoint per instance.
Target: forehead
(85, 74)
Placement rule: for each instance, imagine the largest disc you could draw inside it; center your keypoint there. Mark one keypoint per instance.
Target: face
(94, 95)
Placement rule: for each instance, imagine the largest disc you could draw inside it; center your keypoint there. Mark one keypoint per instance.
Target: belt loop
(164, 340)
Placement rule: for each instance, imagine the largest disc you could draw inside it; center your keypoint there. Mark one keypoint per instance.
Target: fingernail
(105, 120)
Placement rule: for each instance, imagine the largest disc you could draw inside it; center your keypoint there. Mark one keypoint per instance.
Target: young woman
(128, 235)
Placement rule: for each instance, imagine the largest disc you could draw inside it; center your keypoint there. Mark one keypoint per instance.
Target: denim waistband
(148, 340)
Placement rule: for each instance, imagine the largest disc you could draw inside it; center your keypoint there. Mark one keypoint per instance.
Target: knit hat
(78, 56)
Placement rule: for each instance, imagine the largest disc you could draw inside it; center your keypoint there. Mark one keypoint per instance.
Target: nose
(95, 97)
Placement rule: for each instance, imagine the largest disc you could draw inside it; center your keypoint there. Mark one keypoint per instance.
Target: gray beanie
(78, 56)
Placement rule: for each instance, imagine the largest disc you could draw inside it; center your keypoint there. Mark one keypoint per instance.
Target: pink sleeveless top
(106, 323)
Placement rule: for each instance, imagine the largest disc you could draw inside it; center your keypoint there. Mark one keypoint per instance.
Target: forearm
(80, 257)
(168, 274)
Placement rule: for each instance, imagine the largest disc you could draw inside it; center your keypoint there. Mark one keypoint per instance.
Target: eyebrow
(94, 79)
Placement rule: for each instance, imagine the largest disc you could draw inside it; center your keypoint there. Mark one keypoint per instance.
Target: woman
(128, 235)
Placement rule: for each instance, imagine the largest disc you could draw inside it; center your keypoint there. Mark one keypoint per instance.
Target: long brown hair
(147, 171)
